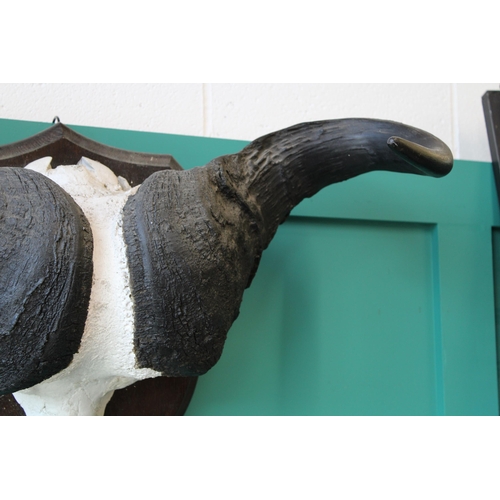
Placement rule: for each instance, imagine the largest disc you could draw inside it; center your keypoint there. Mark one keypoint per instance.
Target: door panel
(347, 327)
(467, 319)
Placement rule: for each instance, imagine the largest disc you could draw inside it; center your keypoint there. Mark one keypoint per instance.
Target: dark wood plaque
(161, 396)
(66, 147)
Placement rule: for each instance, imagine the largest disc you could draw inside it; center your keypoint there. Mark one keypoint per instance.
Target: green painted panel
(316, 337)
(468, 320)
(496, 275)
(375, 298)
(16, 130)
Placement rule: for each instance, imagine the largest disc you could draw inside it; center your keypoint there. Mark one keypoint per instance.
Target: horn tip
(436, 161)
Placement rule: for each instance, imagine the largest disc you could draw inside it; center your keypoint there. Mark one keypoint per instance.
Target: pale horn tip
(436, 161)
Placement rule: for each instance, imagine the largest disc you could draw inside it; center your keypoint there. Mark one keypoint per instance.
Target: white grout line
(455, 127)
(207, 110)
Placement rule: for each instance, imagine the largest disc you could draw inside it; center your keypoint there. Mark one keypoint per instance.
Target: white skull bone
(105, 361)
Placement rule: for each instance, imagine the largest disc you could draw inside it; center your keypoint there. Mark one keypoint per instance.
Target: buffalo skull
(102, 284)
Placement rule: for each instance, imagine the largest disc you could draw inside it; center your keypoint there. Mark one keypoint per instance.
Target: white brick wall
(452, 111)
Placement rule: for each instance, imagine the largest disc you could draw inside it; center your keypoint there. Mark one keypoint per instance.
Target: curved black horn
(301, 160)
(194, 238)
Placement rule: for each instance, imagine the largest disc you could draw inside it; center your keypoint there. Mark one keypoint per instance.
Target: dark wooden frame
(491, 107)
(66, 147)
(163, 396)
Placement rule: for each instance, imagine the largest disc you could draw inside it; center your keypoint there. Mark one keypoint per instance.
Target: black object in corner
(491, 106)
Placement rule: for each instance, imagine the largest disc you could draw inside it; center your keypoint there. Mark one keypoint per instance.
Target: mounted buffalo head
(102, 284)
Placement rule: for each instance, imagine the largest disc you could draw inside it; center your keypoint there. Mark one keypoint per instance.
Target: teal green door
(376, 297)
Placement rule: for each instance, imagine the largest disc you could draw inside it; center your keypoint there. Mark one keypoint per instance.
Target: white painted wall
(452, 111)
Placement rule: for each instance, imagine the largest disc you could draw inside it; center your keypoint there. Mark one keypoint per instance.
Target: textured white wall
(452, 111)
